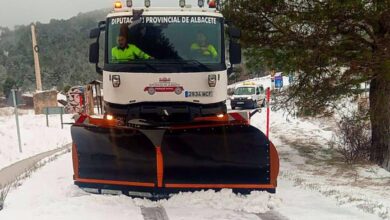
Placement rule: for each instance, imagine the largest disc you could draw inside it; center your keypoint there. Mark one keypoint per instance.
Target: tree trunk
(380, 121)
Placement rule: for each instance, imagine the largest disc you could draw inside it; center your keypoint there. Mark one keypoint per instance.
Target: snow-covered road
(50, 194)
(10, 173)
(313, 184)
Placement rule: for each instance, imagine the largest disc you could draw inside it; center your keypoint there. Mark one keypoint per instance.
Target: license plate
(240, 103)
(198, 94)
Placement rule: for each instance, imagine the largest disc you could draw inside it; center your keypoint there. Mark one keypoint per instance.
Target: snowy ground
(50, 194)
(309, 163)
(35, 136)
(313, 184)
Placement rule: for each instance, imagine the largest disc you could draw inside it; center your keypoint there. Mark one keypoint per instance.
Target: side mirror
(234, 32)
(234, 52)
(230, 71)
(94, 53)
(95, 33)
(94, 47)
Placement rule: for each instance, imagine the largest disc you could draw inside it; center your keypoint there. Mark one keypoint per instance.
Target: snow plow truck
(166, 128)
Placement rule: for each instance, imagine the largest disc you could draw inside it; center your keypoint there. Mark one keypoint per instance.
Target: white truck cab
(248, 95)
(178, 65)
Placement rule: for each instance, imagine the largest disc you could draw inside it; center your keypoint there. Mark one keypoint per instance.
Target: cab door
(260, 96)
(262, 93)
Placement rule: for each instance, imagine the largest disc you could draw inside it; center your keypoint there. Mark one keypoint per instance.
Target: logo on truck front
(164, 85)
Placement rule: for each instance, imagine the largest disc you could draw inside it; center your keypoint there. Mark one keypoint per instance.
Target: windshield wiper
(150, 66)
(200, 65)
(146, 64)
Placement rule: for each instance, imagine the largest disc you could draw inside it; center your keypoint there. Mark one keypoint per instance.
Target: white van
(248, 95)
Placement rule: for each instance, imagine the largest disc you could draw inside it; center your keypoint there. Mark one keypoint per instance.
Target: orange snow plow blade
(154, 162)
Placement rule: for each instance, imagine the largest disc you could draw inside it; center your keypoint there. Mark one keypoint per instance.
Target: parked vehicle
(248, 95)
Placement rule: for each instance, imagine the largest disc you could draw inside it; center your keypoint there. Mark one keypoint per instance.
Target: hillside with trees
(63, 50)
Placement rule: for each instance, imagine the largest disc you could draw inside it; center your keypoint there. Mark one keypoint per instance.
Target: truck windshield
(245, 91)
(195, 40)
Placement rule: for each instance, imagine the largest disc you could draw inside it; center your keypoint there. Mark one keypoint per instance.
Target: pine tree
(333, 45)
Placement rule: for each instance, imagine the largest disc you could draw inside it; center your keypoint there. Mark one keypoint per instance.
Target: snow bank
(310, 162)
(256, 202)
(35, 136)
(9, 111)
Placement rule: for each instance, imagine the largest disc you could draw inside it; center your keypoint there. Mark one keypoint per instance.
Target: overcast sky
(17, 12)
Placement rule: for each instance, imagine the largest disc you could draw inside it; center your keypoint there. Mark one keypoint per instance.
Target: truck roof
(164, 11)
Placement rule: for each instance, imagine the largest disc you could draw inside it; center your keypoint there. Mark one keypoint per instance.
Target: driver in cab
(124, 51)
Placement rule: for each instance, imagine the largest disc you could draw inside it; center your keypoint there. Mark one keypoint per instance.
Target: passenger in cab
(203, 47)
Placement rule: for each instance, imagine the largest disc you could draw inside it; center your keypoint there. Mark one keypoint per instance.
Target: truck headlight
(116, 81)
(249, 98)
(212, 80)
(110, 117)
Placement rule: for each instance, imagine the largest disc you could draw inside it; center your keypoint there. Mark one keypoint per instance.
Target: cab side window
(257, 91)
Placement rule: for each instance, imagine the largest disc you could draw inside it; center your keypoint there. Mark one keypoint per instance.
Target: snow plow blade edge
(161, 161)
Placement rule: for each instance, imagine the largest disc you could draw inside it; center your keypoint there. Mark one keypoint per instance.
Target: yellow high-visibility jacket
(206, 51)
(131, 52)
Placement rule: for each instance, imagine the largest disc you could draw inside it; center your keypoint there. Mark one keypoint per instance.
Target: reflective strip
(221, 186)
(140, 194)
(91, 190)
(111, 192)
(75, 160)
(160, 166)
(114, 182)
